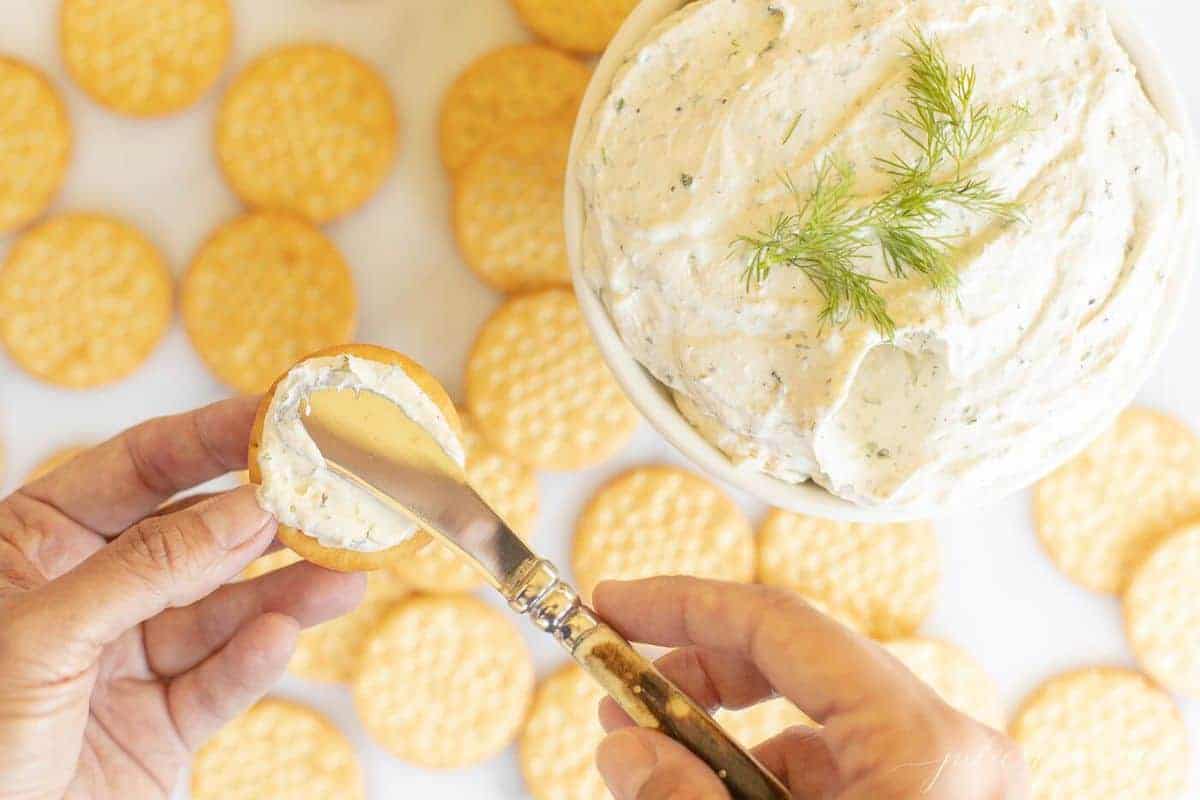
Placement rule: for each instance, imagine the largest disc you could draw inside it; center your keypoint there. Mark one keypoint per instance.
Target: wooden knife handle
(642, 691)
(652, 701)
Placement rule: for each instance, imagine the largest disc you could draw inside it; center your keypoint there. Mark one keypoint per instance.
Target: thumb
(640, 764)
(162, 562)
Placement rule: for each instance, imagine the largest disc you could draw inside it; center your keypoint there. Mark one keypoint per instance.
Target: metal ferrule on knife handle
(638, 687)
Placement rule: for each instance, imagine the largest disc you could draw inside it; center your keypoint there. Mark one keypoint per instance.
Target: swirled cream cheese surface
(298, 487)
(1055, 318)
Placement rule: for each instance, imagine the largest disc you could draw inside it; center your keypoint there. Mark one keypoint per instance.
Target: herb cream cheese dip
(297, 485)
(1055, 315)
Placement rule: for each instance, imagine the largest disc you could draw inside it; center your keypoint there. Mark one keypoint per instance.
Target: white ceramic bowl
(653, 399)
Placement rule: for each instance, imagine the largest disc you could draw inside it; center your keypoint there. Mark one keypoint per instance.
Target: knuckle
(159, 544)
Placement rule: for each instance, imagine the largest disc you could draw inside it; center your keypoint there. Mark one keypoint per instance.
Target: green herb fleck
(791, 130)
(686, 180)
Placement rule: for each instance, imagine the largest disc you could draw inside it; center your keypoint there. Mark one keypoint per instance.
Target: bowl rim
(653, 399)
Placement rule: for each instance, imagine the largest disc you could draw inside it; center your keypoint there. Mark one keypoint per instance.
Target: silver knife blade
(368, 440)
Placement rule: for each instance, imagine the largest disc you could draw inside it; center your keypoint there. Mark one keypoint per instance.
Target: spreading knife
(368, 440)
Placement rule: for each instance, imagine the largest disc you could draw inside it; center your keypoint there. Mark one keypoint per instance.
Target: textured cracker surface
(279, 750)
(146, 57)
(752, 726)
(1103, 734)
(508, 208)
(558, 745)
(540, 390)
(444, 682)
(1102, 514)
(509, 487)
(54, 461)
(332, 652)
(505, 87)
(1162, 613)
(35, 143)
(309, 129)
(586, 26)
(264, 291)
(84, 300)
(956, 677)
(886, 576)
(661, 521)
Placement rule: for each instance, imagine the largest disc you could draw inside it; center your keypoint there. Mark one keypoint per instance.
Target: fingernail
(625, 763)
(234, 518)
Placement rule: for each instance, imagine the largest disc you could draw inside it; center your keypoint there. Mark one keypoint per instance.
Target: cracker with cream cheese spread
(366, 548)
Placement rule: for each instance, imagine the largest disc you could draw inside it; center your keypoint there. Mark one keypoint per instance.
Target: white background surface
(1000, 599)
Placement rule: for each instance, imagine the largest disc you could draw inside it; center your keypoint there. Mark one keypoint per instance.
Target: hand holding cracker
(885, 734)
(121, 650)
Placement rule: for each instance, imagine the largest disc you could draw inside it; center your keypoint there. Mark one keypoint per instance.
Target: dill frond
(823, 239)
(828, 234)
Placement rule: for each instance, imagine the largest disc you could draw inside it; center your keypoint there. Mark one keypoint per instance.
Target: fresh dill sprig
(787, 137)
(943, 119)
(822, 239)
(828, 234)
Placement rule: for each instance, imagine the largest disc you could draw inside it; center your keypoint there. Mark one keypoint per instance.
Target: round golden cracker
(885, 576)
(270, 563)
(35, 143)
(281, 750)
(956, 677)
(53, 462)
(661, 521)
(444, 682)
(1103, 733)
(557, 749)
(84, 300)
(264, 290)
(307, 128)
(585, 26)
(1162, 613)
(1102, 514)
(308, 547)
(145, 58)
(508, 486)
(506, 87)
(754, 725)
(508, 208)
(540, 390)
(331, 652)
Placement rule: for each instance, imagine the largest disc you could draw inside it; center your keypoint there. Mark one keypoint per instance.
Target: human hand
(122, 648)
(885, 735)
